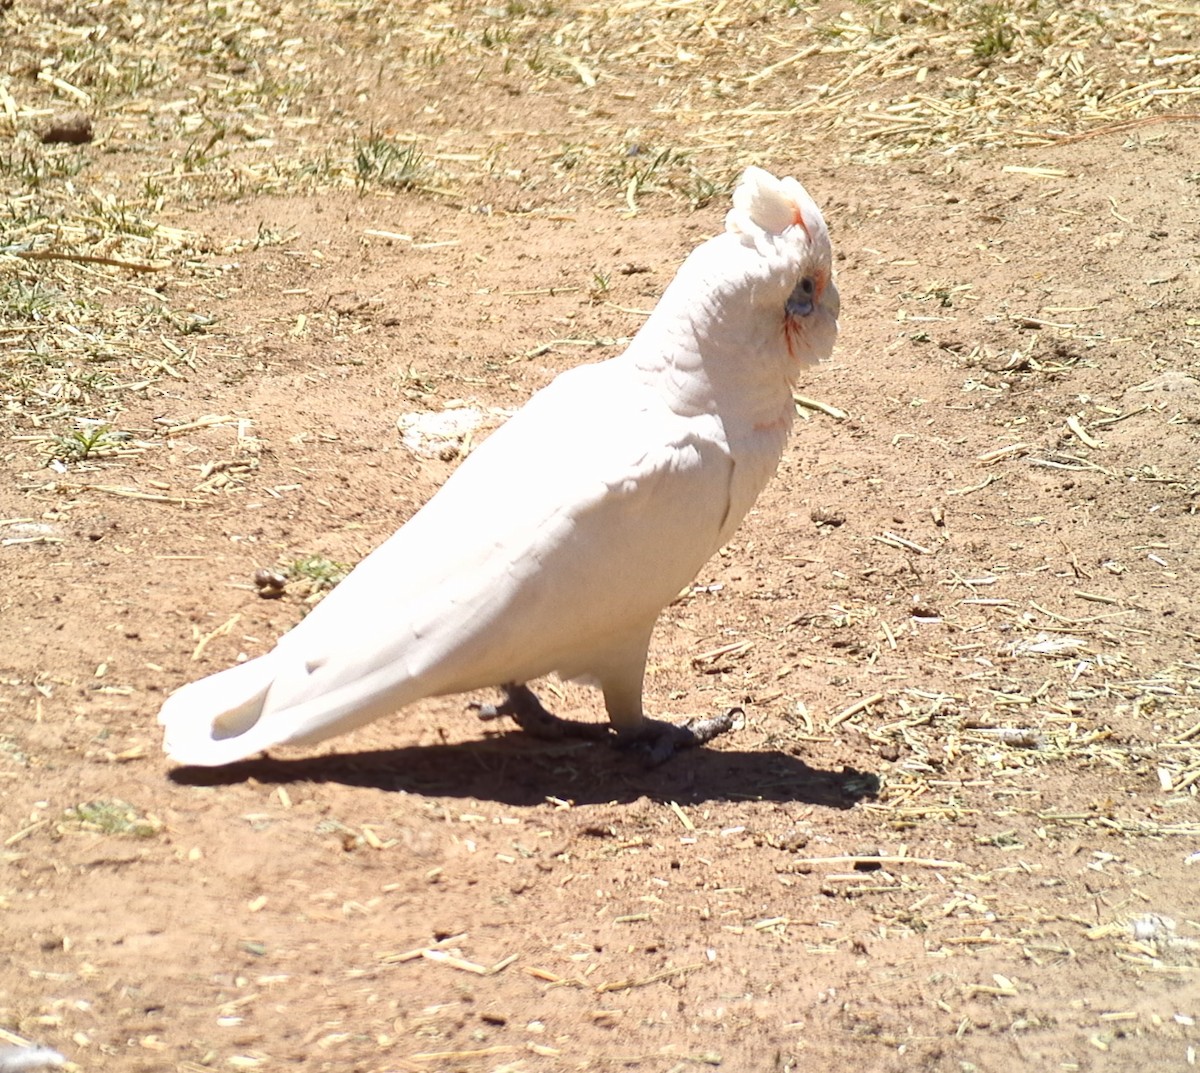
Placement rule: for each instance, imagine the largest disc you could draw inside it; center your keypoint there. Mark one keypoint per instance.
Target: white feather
(28, 1059)
(556, 544)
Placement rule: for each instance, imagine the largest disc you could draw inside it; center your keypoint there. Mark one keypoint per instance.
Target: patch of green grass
(152, 189)
(995, 36)
(33, 168)
(12, 751)
(648, 170)
(645, 168)
(133, 77)
(495, 37)
(377, 160)
(121, 218)
(199, 153)
(65, 358)
(1000, 840)
(322, 574)
(534, 60)
(270, 236)
(321, 167)
(27, 301)
(416, 383)
(112, 816)
(81, 443)
(829, 31)
(1041, 33)
(700, 189)
(516, 9)
(432, 56)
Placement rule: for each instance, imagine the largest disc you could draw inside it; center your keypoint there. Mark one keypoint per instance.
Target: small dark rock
(830, 518)
(71, 128)
(269, 584)
(793, 840)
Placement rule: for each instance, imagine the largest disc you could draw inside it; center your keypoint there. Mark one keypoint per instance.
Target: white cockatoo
(556, 544)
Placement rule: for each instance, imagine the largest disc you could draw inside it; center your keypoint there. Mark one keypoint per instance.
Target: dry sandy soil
(959, 828)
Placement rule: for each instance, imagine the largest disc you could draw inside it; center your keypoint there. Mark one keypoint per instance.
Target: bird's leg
(655, 739)
(522, 705)
(659, 740)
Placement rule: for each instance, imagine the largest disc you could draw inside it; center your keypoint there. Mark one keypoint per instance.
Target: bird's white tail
(218, 719)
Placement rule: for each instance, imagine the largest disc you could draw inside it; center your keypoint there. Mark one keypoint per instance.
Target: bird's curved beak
(831, 301)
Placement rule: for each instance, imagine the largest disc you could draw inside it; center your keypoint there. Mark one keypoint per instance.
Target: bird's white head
(748, 310)
(779, 221)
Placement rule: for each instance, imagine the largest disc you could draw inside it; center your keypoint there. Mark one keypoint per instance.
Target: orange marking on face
(790, 329)
(798, 220)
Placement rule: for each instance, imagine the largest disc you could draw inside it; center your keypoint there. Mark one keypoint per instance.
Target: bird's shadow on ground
(514, 770)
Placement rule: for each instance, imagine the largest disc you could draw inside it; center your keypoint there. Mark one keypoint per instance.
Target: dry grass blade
(223, 630)
(854, 709)
(876, 862)
(89, 259)
(655, 978)
(420, 951)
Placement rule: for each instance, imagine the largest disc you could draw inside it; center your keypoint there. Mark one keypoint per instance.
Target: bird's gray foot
(659, 741)
(522, 706)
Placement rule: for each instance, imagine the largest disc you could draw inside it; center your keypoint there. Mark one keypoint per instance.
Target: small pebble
(71, 128)
(269, 583)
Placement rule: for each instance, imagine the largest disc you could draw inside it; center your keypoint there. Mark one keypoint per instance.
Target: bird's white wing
(561, 537)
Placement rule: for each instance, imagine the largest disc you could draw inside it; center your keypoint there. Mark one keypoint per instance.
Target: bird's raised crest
(765, 204)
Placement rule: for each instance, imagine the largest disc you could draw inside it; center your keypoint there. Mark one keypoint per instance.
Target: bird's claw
(488, 712)
(522, 706)
(656, 740)
(659, 741)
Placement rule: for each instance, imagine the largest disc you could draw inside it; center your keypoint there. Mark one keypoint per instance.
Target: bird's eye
(800, 302)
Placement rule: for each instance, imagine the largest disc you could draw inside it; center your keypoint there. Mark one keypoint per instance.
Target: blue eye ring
(800, 302)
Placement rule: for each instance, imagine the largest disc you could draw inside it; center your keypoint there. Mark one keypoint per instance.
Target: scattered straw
(656, 978)
(221, 631)
(896, 541)
(854, 709)
(806, 403)
(683, 816)
(420, 951)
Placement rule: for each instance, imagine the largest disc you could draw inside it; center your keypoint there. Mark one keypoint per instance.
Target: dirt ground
(962, 619)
